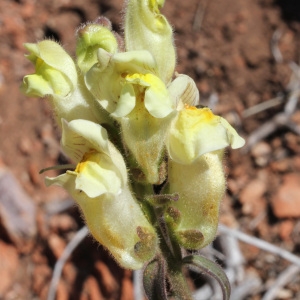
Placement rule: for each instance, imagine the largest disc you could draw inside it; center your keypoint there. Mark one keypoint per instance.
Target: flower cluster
(130, 123)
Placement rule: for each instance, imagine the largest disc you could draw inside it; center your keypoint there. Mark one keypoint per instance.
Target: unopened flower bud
(55, 70)
(56, 78)
(147, 29)
(200, 186)
(90, 38)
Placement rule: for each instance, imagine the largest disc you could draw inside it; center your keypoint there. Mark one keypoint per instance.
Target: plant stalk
(173, 259)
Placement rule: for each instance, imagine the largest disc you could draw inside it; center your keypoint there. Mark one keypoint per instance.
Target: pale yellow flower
(99, 185)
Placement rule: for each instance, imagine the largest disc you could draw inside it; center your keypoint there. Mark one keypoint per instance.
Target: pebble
(255, 52)
(286, 201)
(62, 223)
(283, 165)
(41, 275)
(57, 245)
(91, 289)
(9, 264)
(285, 229)
(70, 273)
(107, 279)
(261, 153)
(251, 197)
(284, 294)
(33, 170)
(127, 289)
(62, 292)
(25, 145)
(17, 210)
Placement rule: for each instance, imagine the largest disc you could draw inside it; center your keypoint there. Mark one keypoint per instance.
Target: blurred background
(244, 57)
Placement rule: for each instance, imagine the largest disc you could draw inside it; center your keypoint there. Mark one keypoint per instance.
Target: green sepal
(190, 238)
(148, 241)
(212, 269)
(154, 280)
(161, 200)
(172, 217)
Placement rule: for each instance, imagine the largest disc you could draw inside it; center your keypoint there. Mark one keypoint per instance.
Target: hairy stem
(171, 253)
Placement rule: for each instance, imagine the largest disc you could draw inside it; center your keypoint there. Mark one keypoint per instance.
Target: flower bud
(193, 219)
(56, 77)
(55, 70)
(147, 29)
(90, 38)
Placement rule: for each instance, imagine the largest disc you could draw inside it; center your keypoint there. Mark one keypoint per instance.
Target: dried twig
(274, 46)
(234, 258)
(57, 207)
(138, 290)
(283, 118)
(284, 278)
(249, 286)
(253, 110)
(77, 239)
(263, 245)
(199, 15)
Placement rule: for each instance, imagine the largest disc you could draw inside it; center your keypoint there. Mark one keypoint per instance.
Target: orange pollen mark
(186, 106)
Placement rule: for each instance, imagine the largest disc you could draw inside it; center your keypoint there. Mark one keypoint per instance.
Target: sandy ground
(241, 54)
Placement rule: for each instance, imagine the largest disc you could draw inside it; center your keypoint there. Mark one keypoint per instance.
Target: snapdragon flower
(99, 185)
(127, 86)
(147, 29)
(56, 78)
(133, 126)
(196, 140)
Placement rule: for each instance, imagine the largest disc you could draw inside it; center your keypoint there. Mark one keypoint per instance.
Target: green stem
(173, 259)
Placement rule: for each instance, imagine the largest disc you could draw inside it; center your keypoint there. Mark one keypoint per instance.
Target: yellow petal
(198, 131)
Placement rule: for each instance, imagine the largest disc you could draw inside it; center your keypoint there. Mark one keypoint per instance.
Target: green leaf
(212, 269)
(154, 280)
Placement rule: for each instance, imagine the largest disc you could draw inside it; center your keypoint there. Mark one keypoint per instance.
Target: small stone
(41, 276)
(57, 245)
(106, 277)
(62, 292)
(34, 175)
(296, 117)
(286, 202)
(25, 145)
(62, 223)
(255, 52)
(292, 142)
(92, 289)
(283, 165)
(17, 210)
(251, 197)
(70, 273)
(204, 87)
(284, 294)
(296, 163)
(285, 229)
(9, 264)
(50, 142)
(127, 288)
(261, 153)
